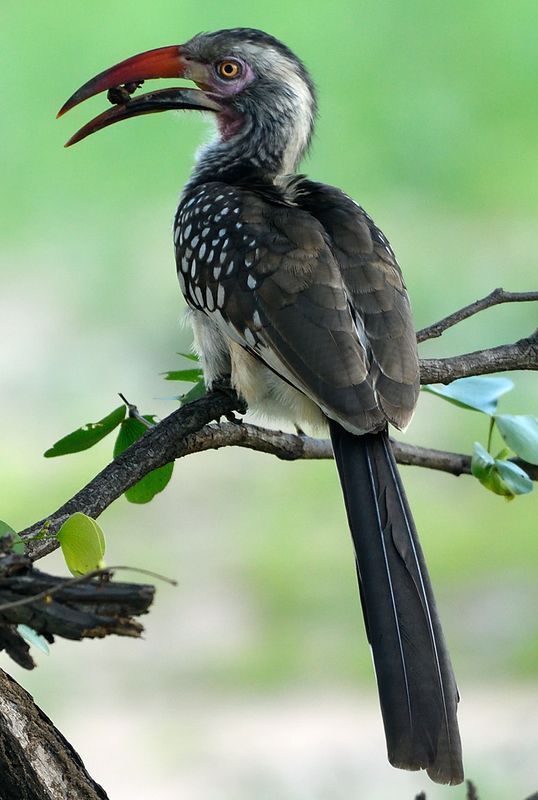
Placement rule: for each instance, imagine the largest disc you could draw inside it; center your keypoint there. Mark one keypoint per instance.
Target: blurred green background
(254, 678)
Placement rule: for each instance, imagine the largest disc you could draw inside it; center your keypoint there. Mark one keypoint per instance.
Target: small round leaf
(83, 543)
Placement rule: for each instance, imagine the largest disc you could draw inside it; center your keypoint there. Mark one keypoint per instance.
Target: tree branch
(36, 761)
(495, 298)
(74, 608)
(187, 430)
(175, 438)
(520, 355)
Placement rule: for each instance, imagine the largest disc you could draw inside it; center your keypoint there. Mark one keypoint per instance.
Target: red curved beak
(163, 62)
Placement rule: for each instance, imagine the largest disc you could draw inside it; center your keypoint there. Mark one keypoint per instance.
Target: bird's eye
(229, 69)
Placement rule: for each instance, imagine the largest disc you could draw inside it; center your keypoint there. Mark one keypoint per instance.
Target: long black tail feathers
(416, 684)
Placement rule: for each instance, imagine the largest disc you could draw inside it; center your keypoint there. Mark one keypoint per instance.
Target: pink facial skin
(229, 119)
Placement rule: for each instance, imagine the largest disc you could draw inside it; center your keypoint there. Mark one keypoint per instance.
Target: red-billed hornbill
(297, 295)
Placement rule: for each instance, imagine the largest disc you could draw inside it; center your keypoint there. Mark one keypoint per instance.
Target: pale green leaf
(33, 637)
(499, 476)
(514, 477)
(479, 393)
(83, 543)
(521, 434)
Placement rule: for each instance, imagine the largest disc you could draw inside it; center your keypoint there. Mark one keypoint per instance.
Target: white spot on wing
(199, 296)
(210, 300)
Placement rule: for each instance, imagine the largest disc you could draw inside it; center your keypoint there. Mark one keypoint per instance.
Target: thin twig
(495, 298)
(135, 414)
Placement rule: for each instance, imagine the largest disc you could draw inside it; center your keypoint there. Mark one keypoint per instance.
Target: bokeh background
(254, 677)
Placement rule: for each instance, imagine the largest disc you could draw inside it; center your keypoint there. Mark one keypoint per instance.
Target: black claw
(223, 386)
(231, 417)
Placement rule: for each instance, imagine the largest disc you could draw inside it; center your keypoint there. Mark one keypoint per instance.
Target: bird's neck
(260, 142)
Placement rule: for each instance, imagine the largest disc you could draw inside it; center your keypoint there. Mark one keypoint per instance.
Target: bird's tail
(416, 685)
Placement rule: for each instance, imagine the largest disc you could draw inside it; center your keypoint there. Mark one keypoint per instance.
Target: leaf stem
(490, 432)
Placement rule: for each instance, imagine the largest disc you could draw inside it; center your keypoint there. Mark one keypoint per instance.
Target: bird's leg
(223, 385)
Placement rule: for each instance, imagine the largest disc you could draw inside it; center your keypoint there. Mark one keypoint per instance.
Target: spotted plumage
(291, 264)
(296, 295)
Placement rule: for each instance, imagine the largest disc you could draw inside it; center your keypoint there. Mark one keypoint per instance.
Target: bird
(296, 298)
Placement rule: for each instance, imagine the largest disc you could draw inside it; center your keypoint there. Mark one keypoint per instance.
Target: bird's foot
(223, 386)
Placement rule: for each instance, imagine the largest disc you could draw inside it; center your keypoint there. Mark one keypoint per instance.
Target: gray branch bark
(38, 762)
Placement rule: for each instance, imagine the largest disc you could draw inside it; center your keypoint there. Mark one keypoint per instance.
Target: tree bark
(37, 762)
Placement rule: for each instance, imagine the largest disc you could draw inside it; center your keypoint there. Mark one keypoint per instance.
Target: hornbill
(296, 294)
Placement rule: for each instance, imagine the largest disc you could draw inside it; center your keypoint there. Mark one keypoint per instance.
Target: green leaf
(83, 543)
(521, 434)
(514, 477)
(480, 393)
(481, 461)
(155, 481)
(5, 529)
(87, 436)
(33, 637)
(190, 356)
(186, 375)
(197, 391)
(17, 543)
(501, 477)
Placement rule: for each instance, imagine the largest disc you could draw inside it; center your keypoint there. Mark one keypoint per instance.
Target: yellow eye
(228, 70)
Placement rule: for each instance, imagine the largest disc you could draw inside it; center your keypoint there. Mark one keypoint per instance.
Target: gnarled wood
(36, 761)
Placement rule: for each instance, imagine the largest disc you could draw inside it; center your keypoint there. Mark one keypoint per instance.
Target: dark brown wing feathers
(315, 290)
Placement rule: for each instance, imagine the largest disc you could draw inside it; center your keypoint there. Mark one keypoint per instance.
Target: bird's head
(259, 91)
